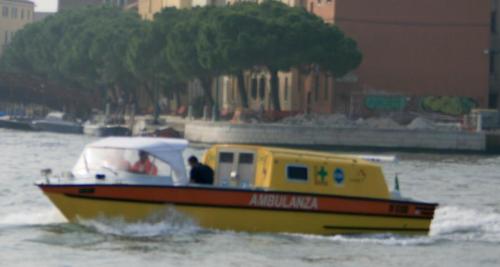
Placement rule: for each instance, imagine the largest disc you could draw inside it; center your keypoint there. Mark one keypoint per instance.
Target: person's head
(192, 161)
(143, 156)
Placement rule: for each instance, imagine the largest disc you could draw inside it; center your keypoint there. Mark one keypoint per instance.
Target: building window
(245, 158)
(5, 11)
(14, 12)
(253, 88)
(226, 157)
(297, 173)
(262, 87)
(6, 37)
(22, 13)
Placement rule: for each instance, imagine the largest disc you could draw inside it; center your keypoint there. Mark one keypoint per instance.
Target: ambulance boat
(256, 189)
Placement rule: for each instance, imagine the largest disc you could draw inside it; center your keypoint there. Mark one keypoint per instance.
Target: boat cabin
(160, 161)
(295, 171)
(141, 160)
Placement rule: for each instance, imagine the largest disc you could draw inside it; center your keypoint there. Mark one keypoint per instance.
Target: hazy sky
(45, 5)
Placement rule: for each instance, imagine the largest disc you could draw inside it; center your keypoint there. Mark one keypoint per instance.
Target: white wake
(168, 223)
(450, 224)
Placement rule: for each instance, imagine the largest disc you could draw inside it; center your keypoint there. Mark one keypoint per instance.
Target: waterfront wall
(288, 135)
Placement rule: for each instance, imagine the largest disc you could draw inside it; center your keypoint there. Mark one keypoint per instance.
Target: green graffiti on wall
(450, 105)
(377, 102)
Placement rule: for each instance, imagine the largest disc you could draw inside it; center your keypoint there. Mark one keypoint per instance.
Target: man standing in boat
(200, 173)
(144, 165)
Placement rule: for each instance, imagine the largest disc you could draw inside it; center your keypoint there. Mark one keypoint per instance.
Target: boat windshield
(121, 160)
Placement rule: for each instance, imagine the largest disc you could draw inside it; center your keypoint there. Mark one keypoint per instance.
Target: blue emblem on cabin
(338, 176)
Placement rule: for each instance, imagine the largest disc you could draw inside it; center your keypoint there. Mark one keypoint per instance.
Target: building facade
(431, 54)
(418, 55)
(147, 8)
(15, 14)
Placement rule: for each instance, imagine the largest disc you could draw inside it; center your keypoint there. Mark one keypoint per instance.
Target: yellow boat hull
(237, 218)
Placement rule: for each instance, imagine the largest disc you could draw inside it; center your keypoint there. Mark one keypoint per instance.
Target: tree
(146, 57)
(97, 49)
(301, 38)
(232, 42)
(105, 47)
(84, 48)
(182, 53)
(340, 54)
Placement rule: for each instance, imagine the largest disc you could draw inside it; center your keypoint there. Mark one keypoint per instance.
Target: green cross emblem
(322, 174)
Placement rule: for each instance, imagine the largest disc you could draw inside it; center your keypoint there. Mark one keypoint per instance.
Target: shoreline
(327, 138)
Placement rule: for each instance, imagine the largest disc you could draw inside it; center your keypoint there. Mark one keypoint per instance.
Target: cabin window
(114, 161)
(297, 173)
(226, 157)
(246, 158)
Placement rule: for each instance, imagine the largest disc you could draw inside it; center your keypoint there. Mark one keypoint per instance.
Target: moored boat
(16, 123)
(255, 189)
(57, 122)
(104, 130)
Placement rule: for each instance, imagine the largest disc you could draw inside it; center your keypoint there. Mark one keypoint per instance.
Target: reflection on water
(465, 232)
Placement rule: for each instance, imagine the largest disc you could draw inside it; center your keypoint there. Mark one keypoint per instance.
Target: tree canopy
(80, 48)
(100, 47)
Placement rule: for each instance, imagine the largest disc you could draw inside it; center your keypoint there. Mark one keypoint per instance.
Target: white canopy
(165, 149)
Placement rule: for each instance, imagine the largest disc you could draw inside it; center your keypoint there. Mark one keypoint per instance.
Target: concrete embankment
(317, 136)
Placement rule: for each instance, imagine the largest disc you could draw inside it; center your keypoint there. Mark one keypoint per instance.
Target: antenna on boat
(396, 183)
(45, 173)
(396, 194)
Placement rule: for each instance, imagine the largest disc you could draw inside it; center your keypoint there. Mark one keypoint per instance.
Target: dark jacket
(201, 174)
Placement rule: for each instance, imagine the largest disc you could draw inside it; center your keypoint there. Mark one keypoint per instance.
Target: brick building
(494, 55)
(414, 52)
(418, 55)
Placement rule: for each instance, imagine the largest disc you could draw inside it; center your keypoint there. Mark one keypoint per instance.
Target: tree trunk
(206, 83)
(275, 96)
(156, 112)
(151, 92)
(177, 97)
(242, 89)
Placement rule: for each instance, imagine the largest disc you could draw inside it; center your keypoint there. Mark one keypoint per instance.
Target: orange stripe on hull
(251, 199)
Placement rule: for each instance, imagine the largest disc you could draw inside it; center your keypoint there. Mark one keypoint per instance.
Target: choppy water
(465, 232)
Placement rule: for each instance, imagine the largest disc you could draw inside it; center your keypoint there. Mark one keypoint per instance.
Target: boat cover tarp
(166, 149)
